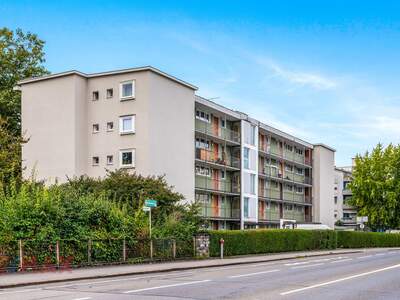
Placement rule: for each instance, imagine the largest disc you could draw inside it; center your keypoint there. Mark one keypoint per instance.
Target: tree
(21, 56)
(376, 186)
(10, 154)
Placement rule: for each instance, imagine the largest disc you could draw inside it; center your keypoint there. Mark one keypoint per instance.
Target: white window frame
(123, 98)
(98, 128)
(133, 164)
(108, 129)
(98, 96)
(121, 123)
(206, 117)
(98, 161)
(107, 93)
(112, 160)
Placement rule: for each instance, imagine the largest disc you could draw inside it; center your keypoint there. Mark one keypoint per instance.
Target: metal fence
(65, 254)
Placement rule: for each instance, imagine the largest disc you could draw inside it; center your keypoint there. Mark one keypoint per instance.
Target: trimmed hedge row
(270, 240)
(277, 240)
(354, 239)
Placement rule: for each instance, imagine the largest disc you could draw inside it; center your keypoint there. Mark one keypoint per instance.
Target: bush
(270, 241)
(353, 239)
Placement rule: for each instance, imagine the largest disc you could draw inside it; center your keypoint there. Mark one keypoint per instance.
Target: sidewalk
(21, 279)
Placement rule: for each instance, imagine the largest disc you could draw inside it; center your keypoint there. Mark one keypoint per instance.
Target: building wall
(338, 193)
(323, 182)
(49, 122)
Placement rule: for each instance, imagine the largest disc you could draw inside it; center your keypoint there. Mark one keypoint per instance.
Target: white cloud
(298, 78)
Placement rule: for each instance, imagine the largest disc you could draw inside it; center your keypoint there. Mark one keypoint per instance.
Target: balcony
(224, 134)
(269, 193)
(294, 215)
(269, 215)
(211, 157)
(293, 197)
(269, 171)
(220, 186)
(209, 211)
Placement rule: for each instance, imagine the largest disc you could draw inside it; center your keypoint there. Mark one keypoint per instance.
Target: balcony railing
(225, 186)
(269, 215)
(210, 156)
(269, 193)
(290, 196)
(220, 212)
(222, 133)
(294, 215)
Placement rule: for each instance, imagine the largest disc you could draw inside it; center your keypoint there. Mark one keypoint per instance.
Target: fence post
(173, 248)
(221, 243)
(58, 253)
(89, 249)
(151, 249)
(194, 246)
(124, 250)
(21, 255)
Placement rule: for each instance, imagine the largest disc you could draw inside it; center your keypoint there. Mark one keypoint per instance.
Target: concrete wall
(48, 119)
(323, 185)
(338, 192)
(58, 115)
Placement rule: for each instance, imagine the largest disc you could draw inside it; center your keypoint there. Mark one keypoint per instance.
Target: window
(95, 95)
(127, 124)
(96, 128)
(288, 168)
(299, 190)
(288, 207)
(110, 126)
(252, 135)
(299, 171)
(335, 198)
(299, 151)
(203, 144)
(201, 115)
(267, 205)
(203, 198)
(246, 163)
(246, 207)
(223, 123)
(110, 159)
(127, 90)
(289, 187)
(289, 147)
(203, 171)
(127, 158)
(110, 93)
(252, 184)
(222, 174)
(274, 185)
(95, 160)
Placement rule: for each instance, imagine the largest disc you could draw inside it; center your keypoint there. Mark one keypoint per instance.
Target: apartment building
(344, 212)
(244, 173)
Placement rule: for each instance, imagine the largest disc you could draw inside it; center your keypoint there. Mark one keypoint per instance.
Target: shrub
(270, 241)
(353, 239)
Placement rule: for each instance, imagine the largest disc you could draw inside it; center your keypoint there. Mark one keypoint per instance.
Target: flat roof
(242, 116)
(108, 73)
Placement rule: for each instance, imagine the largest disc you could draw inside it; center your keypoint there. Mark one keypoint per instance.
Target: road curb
(227, 263)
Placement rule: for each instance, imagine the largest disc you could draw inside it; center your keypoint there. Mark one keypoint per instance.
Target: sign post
(148, 205)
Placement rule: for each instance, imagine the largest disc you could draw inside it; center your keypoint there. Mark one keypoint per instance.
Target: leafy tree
(21, 56)
(376, 186)
(10, 154)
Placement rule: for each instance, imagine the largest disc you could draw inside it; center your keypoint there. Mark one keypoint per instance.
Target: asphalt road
(352, 276)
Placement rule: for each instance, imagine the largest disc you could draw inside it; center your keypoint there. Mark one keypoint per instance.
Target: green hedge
(270, 240)
(354, 239)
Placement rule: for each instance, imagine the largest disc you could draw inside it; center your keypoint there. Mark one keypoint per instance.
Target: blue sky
(324, 72)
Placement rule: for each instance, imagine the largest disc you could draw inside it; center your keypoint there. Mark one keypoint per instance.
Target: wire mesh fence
(65, 254)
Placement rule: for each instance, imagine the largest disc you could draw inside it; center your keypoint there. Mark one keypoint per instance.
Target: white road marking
(166, 286)
(342, 260)
(297, 263)
(85, 298)
(379, 254)
(340, 257)
(113, 280)
(252, 274)
(366, 256)
(339, 280)
(307, 266)
(321, 260)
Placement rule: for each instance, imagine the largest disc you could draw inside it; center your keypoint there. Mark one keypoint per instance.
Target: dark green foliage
(353, 239)
(270, 241)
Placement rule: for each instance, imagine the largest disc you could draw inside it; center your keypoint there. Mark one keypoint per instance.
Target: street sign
(145, 208)
(150, 203)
